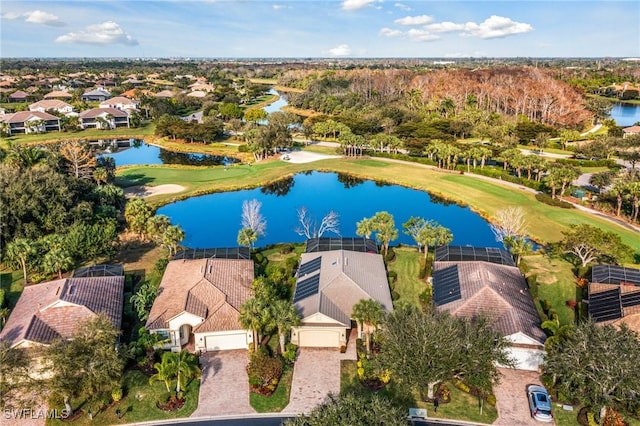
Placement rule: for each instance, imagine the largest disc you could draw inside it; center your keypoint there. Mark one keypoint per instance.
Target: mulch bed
(173, 404)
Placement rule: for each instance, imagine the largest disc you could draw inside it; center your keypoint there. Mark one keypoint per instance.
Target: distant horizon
(328, 58)
(320, 29)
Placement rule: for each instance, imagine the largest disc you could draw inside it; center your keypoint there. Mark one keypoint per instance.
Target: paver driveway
(224, 389)
(315, 375)
(511, 397)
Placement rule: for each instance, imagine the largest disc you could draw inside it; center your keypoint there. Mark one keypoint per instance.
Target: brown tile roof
(632, 129)
(58, 94)
(213, 289)
(49, 104)
(22, 116)
(101, 112)
(344, 278)
(118, 100)
(499, 291)
(18, 94)
(164, 94)
(55, 308)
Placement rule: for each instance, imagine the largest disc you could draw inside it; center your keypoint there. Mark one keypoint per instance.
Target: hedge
(545, 198)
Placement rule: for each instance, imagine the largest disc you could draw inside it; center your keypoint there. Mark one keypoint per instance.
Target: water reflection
(279, 188)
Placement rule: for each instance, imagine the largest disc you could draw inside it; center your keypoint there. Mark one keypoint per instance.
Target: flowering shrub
(264, 373)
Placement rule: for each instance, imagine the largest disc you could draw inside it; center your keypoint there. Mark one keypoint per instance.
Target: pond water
(142, 153)
(625, 114)
(277, 105)
(214, 220)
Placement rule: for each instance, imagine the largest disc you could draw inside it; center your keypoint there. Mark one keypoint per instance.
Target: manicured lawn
(463, 406)
(138, 403)
(278, 400)
(407, 266)
(485, 197)
(549, 150)
(51, 137)
(570, 418)
(12, 284)
(556, 283)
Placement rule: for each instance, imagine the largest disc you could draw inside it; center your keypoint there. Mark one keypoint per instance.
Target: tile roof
(49, 104)
(498, 291)
(101, 112)
(118, 100)
(213, 289)
(164, 94)
(18, 94)
(22, 116)
(58, 94)
(55, 308)
(97, 92)
(345, 278)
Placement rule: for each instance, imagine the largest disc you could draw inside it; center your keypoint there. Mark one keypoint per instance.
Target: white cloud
(280, 6)
(414, 20)
(444, 27)
(495, 27)
(422, 35)
(356, 4)
(36, 17)
(340, 50)
(388, 32)
(108, 32)
(403, 7)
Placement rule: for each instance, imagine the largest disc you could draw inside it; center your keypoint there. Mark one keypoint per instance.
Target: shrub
(291, 353)
(161, 265)
(461, 385)
(591, 419)
(116, 394)
(532, 280)
(393, 276)
(243, 148)
(571, 303)
(391, 255)
(395, 295)
(264, 371)
(546, 199)
(491, 399)
(613, 418)
(426, 297)
(286, 248)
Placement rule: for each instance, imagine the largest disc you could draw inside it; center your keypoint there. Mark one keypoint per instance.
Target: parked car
(539, 403)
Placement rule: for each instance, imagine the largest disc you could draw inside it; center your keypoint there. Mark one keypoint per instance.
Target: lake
(277, 105)
(625, 114)
(214, 220)
(142, 153)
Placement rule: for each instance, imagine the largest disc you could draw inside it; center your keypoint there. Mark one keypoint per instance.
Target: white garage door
(226, 341)
(527, 359)
(320, 338)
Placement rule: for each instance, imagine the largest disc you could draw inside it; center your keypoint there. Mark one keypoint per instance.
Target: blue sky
(310, 28)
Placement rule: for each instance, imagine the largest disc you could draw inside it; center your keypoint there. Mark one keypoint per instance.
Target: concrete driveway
(316, 374)
(224, 387)
(511, 397)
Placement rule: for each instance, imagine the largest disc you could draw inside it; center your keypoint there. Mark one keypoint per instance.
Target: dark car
(539, 403)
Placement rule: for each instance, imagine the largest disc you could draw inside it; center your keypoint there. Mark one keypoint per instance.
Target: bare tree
(252, 218)
(81, 160)
(309, 227)
(509, 222)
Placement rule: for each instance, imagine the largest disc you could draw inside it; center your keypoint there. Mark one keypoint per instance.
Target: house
(30, 122)
(18, 96)
(58, 94)
(470, 281)
(167, 94)
(51, 104)
(630, 131)
(197, 94)
(54, 309)
(121, 103)
(198, 304)
(334, 275)
(103, 118)
(96, 95)
(614, 295)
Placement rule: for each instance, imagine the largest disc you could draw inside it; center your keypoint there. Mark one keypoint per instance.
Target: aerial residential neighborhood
(350, 212)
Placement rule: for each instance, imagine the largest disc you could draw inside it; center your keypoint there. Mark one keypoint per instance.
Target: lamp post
(118, 413)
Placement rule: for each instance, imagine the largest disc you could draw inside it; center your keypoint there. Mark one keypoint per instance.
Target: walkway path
(592, 130)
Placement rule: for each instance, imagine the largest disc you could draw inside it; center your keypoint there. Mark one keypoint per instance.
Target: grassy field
(52, 137)
(556, 283)
(407, 266)
(138, 403)
(484, 197)
(280, 398)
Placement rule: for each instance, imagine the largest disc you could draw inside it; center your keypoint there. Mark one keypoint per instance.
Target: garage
(526, 358)
(221, 342)
(319, 338)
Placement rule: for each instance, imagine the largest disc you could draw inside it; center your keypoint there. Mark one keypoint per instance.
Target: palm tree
(444, 236)
(285, 316)
(365, 227)
(18, 252)
(517, 246)
(386, 231)
(56, 260)
(185, 366)
(100, 175)
(246, 237)
(253, 316)
(172, 237)
(368, 313)
(165, 370)
(555, 331)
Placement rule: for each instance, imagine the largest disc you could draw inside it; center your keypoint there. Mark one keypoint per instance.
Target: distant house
(469, 281)
(54, 309)
(51, 105)
(58, 94)
(164, 94)
(103, 118)
(96, 95)
(198, 304)
(614, 295)
(18, 96)
(121, 103)
(204, 87)
(334, 275)
(630, 131)
(134, 82)
(197, 94)
(30, 122)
